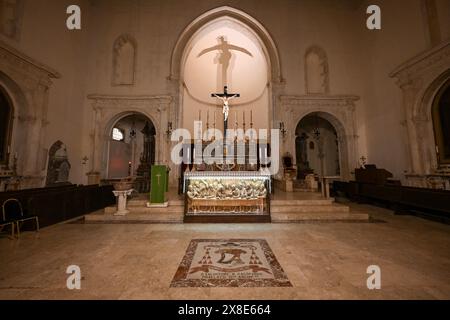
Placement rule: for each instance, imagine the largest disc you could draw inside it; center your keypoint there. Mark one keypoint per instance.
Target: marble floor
(322, 260)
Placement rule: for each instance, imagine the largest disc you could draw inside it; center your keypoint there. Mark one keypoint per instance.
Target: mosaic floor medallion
(229, 263)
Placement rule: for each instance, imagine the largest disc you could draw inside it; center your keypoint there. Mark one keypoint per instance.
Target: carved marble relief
(124, 61)
(316, 71)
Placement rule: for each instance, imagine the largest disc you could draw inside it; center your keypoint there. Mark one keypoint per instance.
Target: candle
(251, 116)
(243, 117)
(207, 116)
(214, 118)
(199, 115)
(235, 117)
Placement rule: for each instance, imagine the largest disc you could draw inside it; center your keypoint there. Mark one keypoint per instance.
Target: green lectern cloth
(159, 184)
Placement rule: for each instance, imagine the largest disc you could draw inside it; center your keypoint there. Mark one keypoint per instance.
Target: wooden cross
(225, 97)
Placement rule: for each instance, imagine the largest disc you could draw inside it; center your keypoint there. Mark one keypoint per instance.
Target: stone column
(122, 202)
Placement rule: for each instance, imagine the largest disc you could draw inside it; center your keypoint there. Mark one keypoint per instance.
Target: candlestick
(251, 116)
(199, 115)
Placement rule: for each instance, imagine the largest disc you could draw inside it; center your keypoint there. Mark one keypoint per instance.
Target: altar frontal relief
(229, 263)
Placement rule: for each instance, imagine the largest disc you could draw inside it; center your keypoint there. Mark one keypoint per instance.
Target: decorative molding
(27, 82)
(319, 100)
(139, 99)
(420, 78)
(339, 110)
(415, 66)
(19, 59)
(108, 109)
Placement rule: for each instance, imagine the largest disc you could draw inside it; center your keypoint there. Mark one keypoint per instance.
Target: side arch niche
(316, 71)
(124, 60)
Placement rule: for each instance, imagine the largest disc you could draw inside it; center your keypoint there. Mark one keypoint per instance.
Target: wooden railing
(56, 204)
(430, 202)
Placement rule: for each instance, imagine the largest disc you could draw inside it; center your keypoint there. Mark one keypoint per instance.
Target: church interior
(212, 149)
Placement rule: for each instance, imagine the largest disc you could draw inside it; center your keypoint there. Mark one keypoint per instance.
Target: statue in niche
(58, 165)
(124, 60)
(316, 71)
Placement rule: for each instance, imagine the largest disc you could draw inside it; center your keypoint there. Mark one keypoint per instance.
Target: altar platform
(285, 207)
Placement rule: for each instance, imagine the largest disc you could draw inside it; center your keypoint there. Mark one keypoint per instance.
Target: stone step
(309, 209)
(159, 217)
(143, 203)
(320, 202)
(145, 210)
(318, 216)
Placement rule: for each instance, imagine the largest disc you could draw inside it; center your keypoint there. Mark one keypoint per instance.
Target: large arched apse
(225, 52)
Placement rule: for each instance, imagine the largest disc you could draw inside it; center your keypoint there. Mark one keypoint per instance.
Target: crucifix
(225, 97)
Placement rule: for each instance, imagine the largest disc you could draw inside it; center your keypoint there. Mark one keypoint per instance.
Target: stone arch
(226, 11)
(275, 79)
(423, 122)
(6, 125)
(341, 135)
(119, 116)
(441, 123)
(112, 122)
(124, 60)
(316, 71)
(58, 166)
(19, 107)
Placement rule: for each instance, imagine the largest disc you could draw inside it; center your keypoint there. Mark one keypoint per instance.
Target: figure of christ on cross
(225, 97)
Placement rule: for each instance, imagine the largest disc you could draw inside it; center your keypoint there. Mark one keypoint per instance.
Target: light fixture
(169, 129)
(282, 129)
(316, 130)
(133, 128)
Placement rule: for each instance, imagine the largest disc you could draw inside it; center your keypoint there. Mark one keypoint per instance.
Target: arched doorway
(58, 167)
(6, 116)
(441, 124)
(131, 149)
(316, 147)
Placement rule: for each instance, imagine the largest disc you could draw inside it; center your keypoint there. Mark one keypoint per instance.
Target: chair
(4, 222)
(12, 208)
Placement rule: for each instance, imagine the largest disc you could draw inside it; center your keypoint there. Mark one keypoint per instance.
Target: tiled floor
(321, 260)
